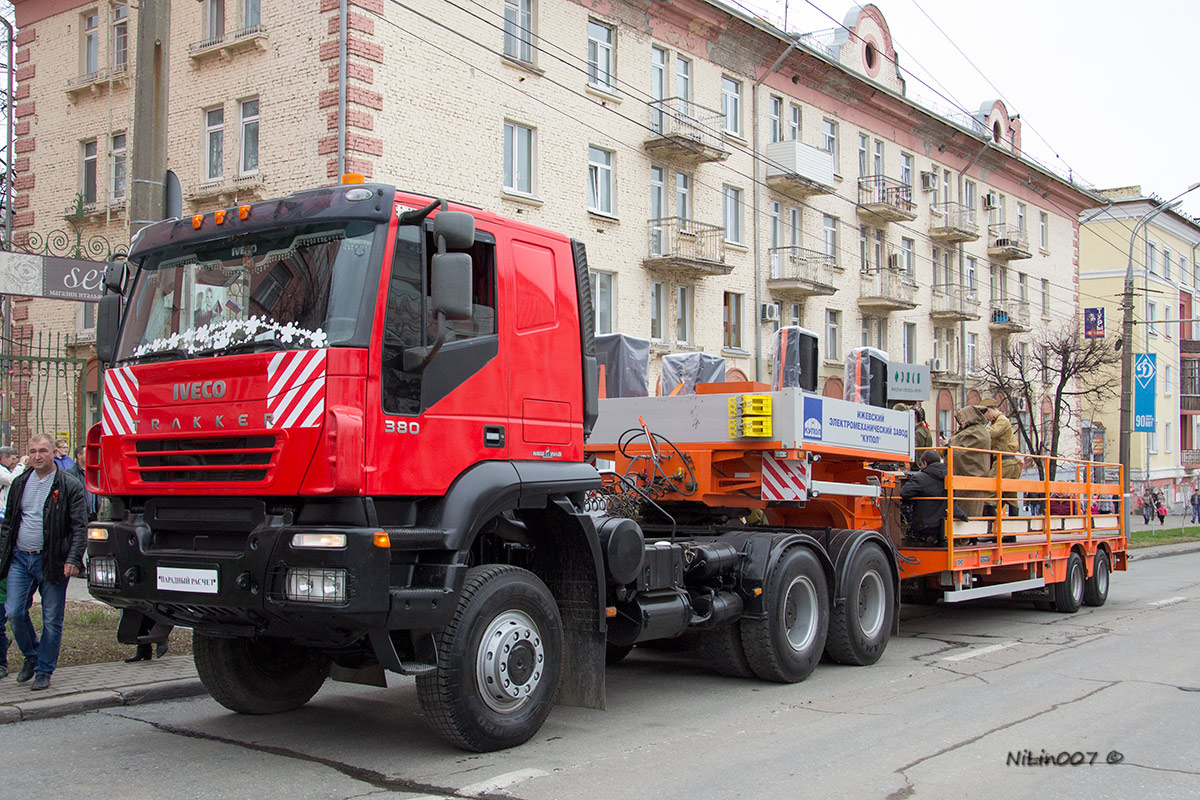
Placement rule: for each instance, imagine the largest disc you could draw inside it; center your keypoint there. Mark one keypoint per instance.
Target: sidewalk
(74, 690)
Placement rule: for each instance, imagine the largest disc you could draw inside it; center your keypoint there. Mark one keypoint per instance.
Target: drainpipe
(341, 144)
(757, 210)
(962, 264)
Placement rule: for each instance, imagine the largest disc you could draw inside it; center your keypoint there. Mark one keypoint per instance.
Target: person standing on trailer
(1004, 440)
(972, 462)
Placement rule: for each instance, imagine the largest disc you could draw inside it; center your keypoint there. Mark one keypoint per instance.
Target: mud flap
(582, 681)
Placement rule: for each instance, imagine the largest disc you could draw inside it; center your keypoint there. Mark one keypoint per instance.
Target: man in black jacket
(42, 540)
(927, 492)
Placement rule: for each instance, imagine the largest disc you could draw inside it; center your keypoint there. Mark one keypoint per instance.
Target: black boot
(161, 649)
(142, 654)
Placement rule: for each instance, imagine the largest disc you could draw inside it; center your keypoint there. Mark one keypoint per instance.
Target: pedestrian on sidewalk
(42, 540)
(1195, 503)
(1162, 513)
(76, 472)
(10, 468)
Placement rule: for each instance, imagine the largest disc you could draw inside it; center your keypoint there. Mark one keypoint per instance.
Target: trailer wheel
(259, 675)
(498, 661)
(722, 650)
(786, 646)
(1068, 595)
(860, 628)
(1095, 588)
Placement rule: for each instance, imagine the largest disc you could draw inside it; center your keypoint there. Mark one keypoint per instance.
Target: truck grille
(222, 459)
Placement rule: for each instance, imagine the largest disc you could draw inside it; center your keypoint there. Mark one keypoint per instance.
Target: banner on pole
(1093, 323)
(1145, 384)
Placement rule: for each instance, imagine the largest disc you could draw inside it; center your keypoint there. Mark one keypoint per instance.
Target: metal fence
(43, 390)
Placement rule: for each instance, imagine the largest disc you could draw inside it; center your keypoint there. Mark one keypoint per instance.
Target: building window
(776, 119)
(731, 105)
(878, 165)
(1045, 297)
(969, 199)
(864, 154)
(683, 314)
(733, 320)
(829, 140)
(604, 300)
(1152, 317)
(794, 316)
(833, 330)
(906, 169)
(120, 36)
(874, 332)
(1044, 223)
(972, 273)
(251, 13)
(89, 172)
(795, 226)
(776, 234)
(683, 78)
(658, 310)
(794, 124)
(117, 165)
(602, 42)
(1166, 262)
(658, 202)
(910, 343)
(1152, 258)
(683, 196)
(732, 213)
(91, 43)
(249, 159)
(1022, 287)
(972, 352)
(908, 259)
(600, 180)
(214, 138)
(658, 86)
(829, 228)
(214, 19)
(1167, 380)
(1021, 217)
(518, 158)
(518, 30)
(1167, 436)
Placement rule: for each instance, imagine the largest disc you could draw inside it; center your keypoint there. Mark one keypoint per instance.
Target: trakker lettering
(199, 422)
(198, 390)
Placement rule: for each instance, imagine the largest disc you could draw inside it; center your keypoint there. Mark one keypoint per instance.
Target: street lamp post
(1127, 341)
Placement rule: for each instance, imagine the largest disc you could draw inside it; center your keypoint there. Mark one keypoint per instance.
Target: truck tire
(860, 628)
(1095, 588)
(1068, 595)
(498, 661)
(259, 675)
(615, 653)
(722, 650)
(786, 646)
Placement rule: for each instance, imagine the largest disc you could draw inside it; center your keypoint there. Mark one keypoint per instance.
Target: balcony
(886, 290)
(226, 45)
(797, 272)
(954, 303)
(96, 82)
(799, 169)
(1007, 243)
(226, 190)
(685, 133)
(1190, 459)
(953, 222)
(887, 198)
(685, 246)
(1009, 316)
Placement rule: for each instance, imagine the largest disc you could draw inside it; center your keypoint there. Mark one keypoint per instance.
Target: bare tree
(1072, 372)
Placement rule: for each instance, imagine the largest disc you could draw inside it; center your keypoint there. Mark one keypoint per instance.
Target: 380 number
(401, 426)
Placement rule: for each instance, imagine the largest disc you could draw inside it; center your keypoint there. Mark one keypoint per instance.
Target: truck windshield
(293, 288)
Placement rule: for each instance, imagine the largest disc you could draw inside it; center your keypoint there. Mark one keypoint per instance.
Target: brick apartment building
(726, 176)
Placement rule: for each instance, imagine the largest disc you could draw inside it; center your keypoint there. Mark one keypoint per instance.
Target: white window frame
(829, 230)
(1045, 297)
(775, 210)
(1021, 217)
(683, 196)
(520, 144)
(795, 122)
(731, 213)
(775, 115)
(1044, 220)
(1152, 257)
(683, 78)
(1022, 287)
(214, 133)
(605, 312)
(90, 172)
(909, 342)
(250, 132)
(684, 297)
(731, 319)
(658, 310)
(1152, 317)
(118, 165)
(119, 49)
(829, 140)
(908, 257)
(251, 13)
(833, 330)
(660, 57)
(518, 30)
(731, 105)
(214, 20)
(1169, 445)
(658, 209)
(602, 55)
(972, 353)
(602, 186)
(90, 52)
(906, 169)
(1166, 254)
(795, 226)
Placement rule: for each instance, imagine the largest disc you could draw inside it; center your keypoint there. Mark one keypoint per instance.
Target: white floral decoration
(222, 334)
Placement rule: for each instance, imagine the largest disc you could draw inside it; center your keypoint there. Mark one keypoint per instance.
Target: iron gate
(43, 389)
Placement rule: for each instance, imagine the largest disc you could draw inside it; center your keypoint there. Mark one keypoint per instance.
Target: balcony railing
(1007, 242)
(953, 222)
(1191, 458)
(799, 168)
(685, 131)
(97, 80)
(886, 290)
(803, 273)
(1009, 316)
(685, 245)
(229, 43)
(951, 302)
(886, 197)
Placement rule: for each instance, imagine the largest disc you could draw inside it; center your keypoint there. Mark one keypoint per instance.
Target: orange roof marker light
(353, 177)
(197, 220)
(243, 212)
(219, 215)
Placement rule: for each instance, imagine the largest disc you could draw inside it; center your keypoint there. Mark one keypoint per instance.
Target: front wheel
(786, 645)
(259, 675)
(498, 661)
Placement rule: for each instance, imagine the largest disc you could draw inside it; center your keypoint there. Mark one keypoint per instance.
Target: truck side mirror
(114, 276)
(452, 284)
(458, 227)
(108, 322)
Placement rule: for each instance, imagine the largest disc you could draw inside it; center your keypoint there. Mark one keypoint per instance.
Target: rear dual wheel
(1067, 595)
(861, 627)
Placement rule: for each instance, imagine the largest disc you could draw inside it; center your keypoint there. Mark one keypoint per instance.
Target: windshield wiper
(172, 354)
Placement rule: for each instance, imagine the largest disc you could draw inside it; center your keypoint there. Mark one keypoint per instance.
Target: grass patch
(90, 636)
(1164, 535)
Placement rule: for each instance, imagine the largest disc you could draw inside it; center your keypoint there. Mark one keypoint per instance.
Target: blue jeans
(25, 577)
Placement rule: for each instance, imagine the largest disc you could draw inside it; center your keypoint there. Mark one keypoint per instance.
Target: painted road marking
(1170, 601)
(983, 651)
(501, 781)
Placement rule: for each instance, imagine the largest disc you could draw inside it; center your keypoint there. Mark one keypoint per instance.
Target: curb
(66, 705)
(1162, 551)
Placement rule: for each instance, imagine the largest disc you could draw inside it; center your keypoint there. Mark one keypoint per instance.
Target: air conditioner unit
(936, 365)
(928, 181)
(770, 312)
(991, 200)
(894, 261)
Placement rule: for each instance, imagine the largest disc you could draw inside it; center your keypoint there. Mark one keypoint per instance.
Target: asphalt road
(962, 693)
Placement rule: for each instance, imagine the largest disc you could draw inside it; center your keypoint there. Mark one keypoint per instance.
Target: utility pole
(148, 158)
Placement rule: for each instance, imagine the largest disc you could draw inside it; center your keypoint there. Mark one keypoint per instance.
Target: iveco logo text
(197, 390)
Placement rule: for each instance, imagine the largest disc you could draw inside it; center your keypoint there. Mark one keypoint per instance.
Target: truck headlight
(319, 540)
(102, 572)
(313, 585)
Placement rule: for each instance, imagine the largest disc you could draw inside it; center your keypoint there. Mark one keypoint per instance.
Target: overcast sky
(1110, 86)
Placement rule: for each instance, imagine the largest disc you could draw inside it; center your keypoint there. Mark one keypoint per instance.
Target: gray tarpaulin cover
(626, 362)
(690, 369)
(794, 358)
(866, 376)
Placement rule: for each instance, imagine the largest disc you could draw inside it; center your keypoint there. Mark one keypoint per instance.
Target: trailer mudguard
(842, 545)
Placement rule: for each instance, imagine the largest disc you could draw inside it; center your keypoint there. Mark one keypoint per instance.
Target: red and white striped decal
(784, 479)
(120, 411)
(296, 397)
